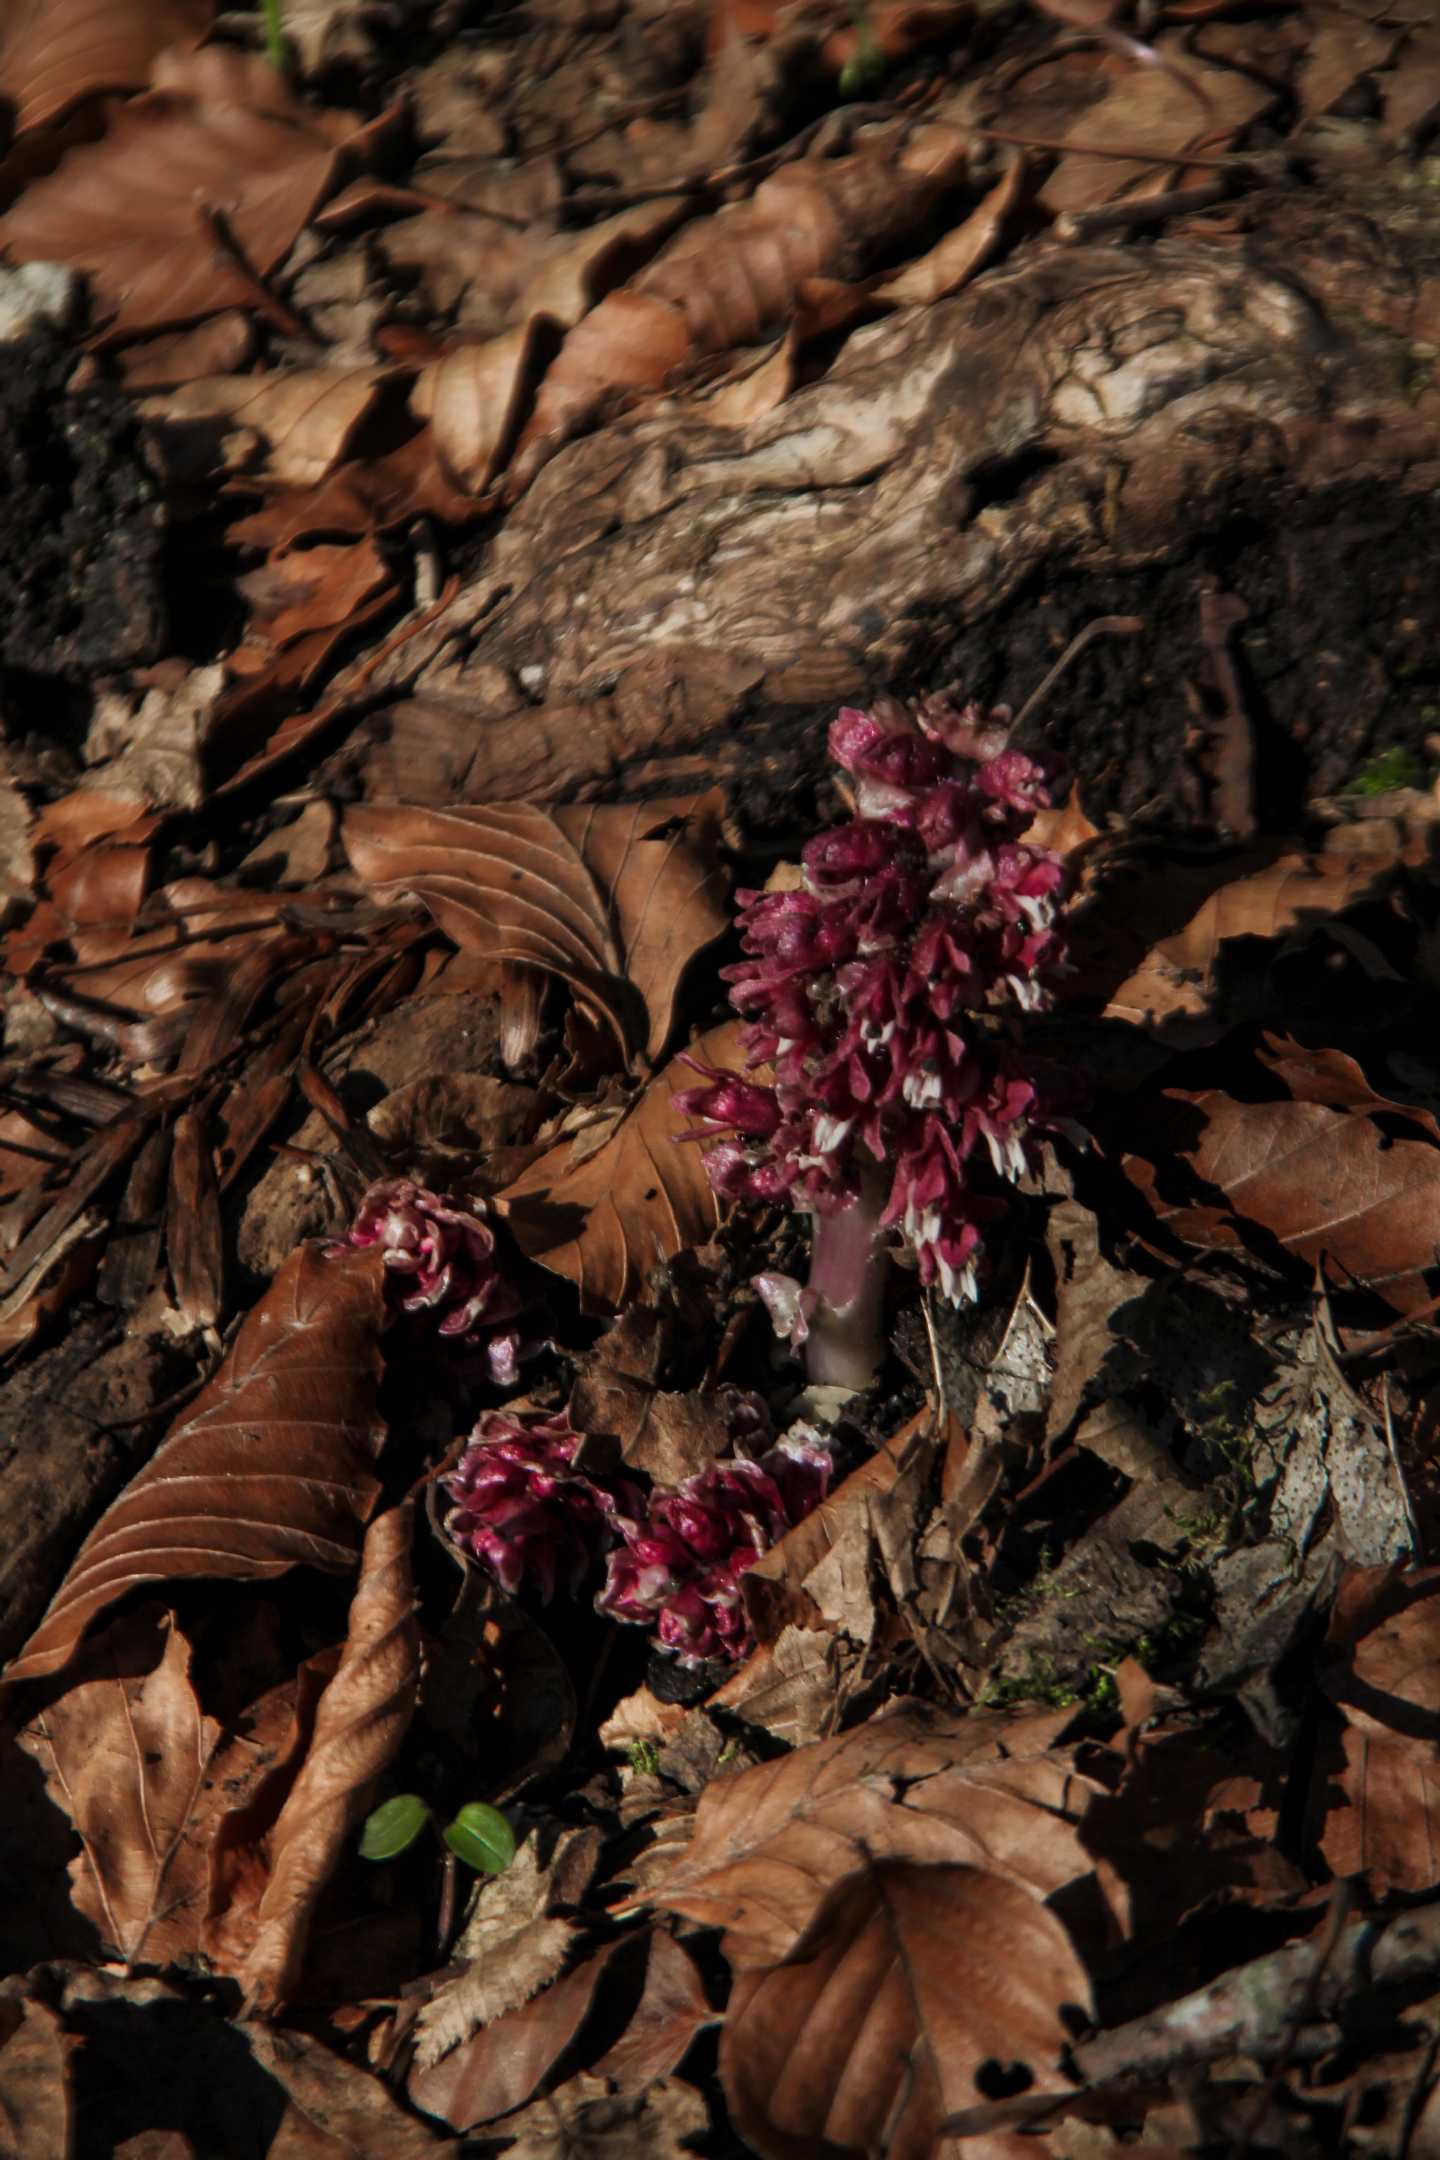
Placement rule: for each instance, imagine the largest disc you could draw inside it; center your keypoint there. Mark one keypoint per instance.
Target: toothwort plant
(880, 986)
(442, 1275)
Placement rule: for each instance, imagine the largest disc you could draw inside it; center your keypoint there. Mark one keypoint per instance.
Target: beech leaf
(53, 53)
(269, 1467)
(873, 2031)
(615, 898)
(770, 1842)
(125, 1753)
(641, 1197)
(221, 128)
(360, 1722)
(1320, 1181)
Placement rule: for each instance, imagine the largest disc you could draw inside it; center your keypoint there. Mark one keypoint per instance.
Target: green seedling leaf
(481, 1837)
(394, 1825)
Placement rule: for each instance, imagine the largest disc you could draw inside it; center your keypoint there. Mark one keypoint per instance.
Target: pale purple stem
(849, 1268)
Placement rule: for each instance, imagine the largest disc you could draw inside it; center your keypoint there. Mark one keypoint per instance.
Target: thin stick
(1103, 626)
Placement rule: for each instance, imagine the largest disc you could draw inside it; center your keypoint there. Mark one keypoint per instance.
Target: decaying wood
(1089, 410)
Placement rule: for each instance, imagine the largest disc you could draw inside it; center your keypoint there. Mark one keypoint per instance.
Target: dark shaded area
(82, 528)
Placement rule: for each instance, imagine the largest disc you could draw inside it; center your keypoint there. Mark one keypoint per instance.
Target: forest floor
(481, 1678)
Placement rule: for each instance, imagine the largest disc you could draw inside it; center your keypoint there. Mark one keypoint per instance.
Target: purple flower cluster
(441, 1271)
(675, 1559)
(523, 1509)
(878, 987)
(678, 1570)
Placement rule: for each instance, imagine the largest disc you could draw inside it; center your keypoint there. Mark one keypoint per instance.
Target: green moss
(1394, 768)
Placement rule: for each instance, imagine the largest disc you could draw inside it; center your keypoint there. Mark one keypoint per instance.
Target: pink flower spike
(884, 996)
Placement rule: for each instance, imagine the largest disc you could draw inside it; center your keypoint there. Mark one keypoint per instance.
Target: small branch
(1255, 2009)
(1292, 2005)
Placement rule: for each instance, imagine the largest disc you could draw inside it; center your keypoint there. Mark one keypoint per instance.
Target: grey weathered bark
(1115, 425)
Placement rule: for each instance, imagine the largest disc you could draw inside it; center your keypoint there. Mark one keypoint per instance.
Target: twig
(1342, 1905)
(1102, 626)
(1293, 2002)
(1252, 2010)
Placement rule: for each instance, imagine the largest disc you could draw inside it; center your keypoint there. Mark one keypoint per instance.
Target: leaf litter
(1061, 1729)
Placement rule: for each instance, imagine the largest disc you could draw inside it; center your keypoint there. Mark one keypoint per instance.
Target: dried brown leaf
(53, 53)
(36, 2118)
(335, 2108)
(583, 2116)
(1182, 104)
(473, 398)
(154, 751)
(1320, 1181)
(500, 2067)
(672, 2009)
(1174, 983)
(732, 279)
(512, 1969)
(1384, 1673)
(614, 898)
(641, 1197)
(194, 1242)
(668, 1436)
(360, 1722)
(221, 133)
(769, 1843)
(953, 261)
(876, 2027)
(268, 1468)
(300, 422)
(514, 1943)
(125, 1752)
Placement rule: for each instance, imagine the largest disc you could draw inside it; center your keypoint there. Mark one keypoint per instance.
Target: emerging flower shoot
(441, 1272)
(524, 1511)
(880, 989)
(678, 1570)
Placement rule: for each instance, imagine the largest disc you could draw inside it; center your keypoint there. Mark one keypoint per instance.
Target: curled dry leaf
(473, 398)
(53, 53)
(874, 2030)
(615, 898)
(734, 278)
(268, 1468)
(953, 261)
(605, 1220)
(220, 136)
(360, 1722)
(299, 423)
(1320, 1181)
(769, 1844)
(125, 1752)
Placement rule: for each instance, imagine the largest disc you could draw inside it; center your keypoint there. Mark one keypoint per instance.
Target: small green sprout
(645, 1759)
(867, 66)
(276, 51)
(479, 1835)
